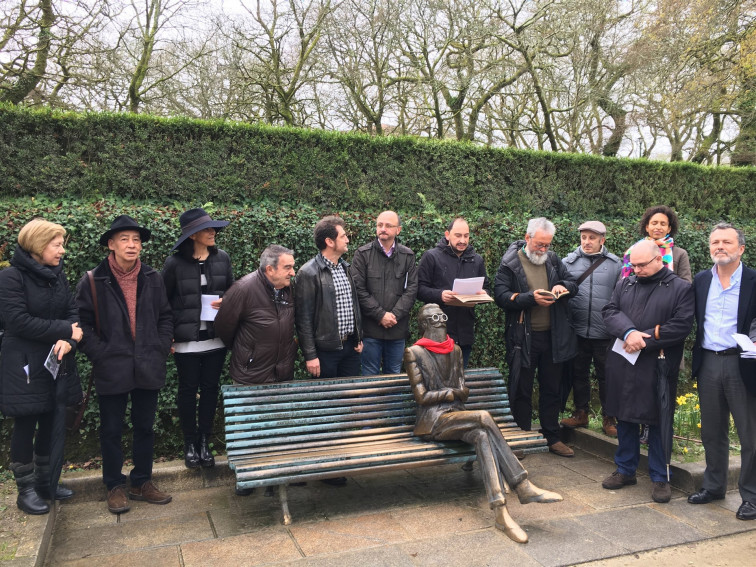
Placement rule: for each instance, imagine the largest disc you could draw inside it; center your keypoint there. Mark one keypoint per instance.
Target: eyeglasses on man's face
(436, 317)
(385, 225)
(541, 246)
(642, 265)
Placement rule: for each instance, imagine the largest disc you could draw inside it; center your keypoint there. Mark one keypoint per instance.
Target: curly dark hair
(663, 209)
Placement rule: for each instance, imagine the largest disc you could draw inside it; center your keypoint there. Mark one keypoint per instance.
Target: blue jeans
(628, 451)
(377, 353)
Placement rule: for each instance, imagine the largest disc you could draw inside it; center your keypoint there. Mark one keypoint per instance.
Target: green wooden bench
(317, 429)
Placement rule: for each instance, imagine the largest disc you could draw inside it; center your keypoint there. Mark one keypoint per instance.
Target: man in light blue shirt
(725, 304)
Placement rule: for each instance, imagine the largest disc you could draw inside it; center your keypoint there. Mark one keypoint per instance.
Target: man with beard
(452, 258)
(726, 304)
(532, 286)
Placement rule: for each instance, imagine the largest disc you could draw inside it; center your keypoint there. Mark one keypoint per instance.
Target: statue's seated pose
(434, 367)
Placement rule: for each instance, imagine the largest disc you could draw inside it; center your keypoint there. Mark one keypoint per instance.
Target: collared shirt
(390, 251)
(344, 312)
(721, 316)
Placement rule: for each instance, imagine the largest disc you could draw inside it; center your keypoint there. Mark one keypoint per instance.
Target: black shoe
(61, 492)
(191, 457)
(703, 496)
(205, 455)
(747, 511)
(338, 481)
(243, 491)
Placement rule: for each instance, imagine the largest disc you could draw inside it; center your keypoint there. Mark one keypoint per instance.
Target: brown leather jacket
(259, 330)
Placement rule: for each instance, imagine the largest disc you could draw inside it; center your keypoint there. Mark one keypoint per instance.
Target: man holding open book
(532, 286)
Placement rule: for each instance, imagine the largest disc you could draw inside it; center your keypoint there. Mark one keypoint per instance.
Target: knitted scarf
(128, 283)
(665, 248)
(444, 347)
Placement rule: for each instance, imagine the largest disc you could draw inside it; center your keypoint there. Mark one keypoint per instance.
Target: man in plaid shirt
(327, 310)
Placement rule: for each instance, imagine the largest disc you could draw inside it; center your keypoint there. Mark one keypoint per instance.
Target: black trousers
(589, 351)
(344, 362)
(549, 376)
(198, 372)
(24, 444)
(112, 416)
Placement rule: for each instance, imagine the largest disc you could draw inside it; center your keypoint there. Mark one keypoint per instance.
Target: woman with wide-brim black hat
(197, 268)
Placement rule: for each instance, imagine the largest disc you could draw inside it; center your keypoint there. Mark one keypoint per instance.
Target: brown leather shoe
(561, 449)
(610, 426)
(118, 503)
(148, 492)
(578, 419)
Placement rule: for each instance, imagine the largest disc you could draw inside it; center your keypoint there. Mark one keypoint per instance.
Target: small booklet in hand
(547, 293)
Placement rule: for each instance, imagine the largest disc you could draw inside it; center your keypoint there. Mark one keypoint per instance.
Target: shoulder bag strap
(590, 270)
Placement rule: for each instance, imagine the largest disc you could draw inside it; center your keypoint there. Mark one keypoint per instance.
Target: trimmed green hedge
(44, 152)
(253, 228)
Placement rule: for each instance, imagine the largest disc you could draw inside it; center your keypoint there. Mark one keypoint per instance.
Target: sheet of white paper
(745, 343)
(52, 364)
(467, 286)
(208, 313)
(630, 356)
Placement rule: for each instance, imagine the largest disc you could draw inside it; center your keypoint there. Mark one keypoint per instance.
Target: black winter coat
(37, 310)
(439, 267)
(385, 284)
(665, 300)
(119, 362)
(315, 308)
(511, 293)
(181, 276)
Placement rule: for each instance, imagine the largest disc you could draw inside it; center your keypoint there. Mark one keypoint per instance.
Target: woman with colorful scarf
(660, 224)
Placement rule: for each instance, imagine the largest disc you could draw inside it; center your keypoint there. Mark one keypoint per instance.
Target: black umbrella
(58, 438)
(666, 407)
(565, 386)
(514, 355)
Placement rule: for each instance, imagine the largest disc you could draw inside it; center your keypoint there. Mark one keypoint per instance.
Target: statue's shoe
(528, 492)
(505, 523)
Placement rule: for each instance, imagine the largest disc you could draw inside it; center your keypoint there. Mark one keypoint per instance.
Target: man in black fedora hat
(128, 328)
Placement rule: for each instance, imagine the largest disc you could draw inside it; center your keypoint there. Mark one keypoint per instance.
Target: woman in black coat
(198, 268)
(38, 313)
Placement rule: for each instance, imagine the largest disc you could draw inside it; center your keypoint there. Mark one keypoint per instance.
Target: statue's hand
(449, 395)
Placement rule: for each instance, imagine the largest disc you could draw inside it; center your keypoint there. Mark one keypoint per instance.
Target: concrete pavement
(426, 516)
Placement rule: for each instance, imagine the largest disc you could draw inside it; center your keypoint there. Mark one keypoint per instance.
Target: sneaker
(662, 492)
(578, 419)
(561, 449)
(610, 426)
(148, 492)
(617, 480)
(118, 503)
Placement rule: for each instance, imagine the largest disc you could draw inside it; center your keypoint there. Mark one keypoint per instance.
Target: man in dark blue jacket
(452, 258)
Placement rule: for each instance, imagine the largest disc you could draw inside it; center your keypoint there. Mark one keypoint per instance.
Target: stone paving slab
(261, 547)
(155, 557)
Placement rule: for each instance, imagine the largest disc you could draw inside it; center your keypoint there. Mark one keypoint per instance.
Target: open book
(554, 295)
(470, 300)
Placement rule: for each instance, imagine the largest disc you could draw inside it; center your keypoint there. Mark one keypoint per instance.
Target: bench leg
(284, 504)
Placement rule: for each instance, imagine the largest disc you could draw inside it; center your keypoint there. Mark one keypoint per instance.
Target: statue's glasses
(436, 317)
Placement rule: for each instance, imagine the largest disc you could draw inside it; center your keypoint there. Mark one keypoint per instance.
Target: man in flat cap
(596, 271)
(128, 329)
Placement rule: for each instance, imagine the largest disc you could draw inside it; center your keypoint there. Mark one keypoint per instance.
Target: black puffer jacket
(512, 294)
(181, 276)
(315, 308)
(121, 363)
(439, 267)
(37, 310)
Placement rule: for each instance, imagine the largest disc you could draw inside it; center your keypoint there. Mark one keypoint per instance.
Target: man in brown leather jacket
(434, 368)
(256, 321)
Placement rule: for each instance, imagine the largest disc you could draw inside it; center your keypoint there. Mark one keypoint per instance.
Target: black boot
(205, 455)
(28, 500)
(191, 457)
(42, 481)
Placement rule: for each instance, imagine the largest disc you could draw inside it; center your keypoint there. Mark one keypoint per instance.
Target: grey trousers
(496, 458)
(722, 392)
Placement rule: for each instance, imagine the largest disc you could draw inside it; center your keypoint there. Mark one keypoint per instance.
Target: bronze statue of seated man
(435, 370)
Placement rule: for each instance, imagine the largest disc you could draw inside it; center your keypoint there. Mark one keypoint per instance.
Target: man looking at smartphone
(532, 286)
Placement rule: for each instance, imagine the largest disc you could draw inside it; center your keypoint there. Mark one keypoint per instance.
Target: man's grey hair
(271, 254)
(727, 225)
(541, 223)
